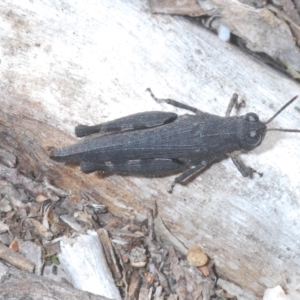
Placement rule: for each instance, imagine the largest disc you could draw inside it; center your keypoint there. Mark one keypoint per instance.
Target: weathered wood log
(17, 284)
(70, 62)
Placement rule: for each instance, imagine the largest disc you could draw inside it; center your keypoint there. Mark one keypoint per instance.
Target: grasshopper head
(251, 131)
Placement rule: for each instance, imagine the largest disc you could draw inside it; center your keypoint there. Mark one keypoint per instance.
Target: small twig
(109, 253)
(15, 259)
(150, 224)
(126, 286)
(56, 190)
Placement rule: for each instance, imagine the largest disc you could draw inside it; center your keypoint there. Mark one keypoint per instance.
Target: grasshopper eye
(254, 137)
(251, 117)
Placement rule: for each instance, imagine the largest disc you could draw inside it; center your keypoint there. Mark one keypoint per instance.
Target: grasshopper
(158, 143)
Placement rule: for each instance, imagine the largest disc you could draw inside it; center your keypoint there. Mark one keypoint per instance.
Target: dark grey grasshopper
(161, 143)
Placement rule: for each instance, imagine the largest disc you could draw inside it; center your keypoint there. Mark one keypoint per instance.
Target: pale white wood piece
(84, 262)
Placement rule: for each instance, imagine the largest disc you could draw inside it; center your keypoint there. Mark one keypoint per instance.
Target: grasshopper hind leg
(187, 174)
(143, 167)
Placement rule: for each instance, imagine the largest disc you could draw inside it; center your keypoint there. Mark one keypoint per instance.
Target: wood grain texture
(18, 284)
(67, 62)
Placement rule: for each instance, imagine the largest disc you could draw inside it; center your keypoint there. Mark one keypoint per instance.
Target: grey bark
(18, 284)
(69, 62)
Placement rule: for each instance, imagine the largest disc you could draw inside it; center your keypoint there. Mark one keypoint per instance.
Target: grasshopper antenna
(279, 111)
